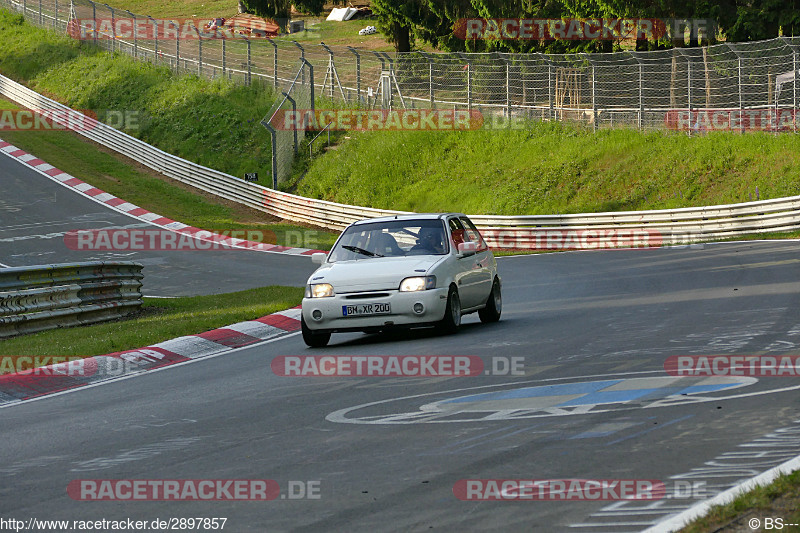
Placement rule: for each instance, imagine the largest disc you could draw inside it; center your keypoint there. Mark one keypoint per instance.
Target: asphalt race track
(592, 332)
(35, 212)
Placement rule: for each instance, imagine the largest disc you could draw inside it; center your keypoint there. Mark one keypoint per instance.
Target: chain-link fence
(747, 86)
(299, 95)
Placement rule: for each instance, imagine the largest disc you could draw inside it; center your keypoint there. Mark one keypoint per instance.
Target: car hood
(375, 274)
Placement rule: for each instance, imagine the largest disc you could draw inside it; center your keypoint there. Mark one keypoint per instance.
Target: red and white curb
(52, 379)
(134, 211)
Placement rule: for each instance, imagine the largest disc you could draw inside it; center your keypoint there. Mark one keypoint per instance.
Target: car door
(480, 275)
(463, 265)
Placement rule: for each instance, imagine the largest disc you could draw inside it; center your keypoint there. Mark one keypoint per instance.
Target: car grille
(363, 295)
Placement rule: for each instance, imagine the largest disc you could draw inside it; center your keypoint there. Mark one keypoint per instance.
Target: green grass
(553, 168)
(214, 123)
(204, 9)
(780, 499)
(159, 320)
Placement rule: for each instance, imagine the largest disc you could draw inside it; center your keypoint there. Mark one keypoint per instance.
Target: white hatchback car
(401, 271)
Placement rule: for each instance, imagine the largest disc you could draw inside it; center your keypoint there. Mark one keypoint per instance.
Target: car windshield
(391, 238)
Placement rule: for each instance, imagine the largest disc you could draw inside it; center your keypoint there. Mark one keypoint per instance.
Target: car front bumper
(326, 313)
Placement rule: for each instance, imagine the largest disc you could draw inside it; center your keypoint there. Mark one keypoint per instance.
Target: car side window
(472, 234)
(456, 232)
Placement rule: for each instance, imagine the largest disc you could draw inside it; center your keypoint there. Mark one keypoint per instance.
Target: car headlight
(319, 290)
(418, 283)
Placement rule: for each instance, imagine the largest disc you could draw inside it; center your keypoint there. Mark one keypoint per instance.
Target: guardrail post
(358, 73)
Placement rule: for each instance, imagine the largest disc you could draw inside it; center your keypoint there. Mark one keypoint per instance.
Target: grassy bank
(214, 123)
(554, 168)
(159, 320)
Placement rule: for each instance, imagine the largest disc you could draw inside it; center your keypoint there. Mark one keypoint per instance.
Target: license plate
(366, 309)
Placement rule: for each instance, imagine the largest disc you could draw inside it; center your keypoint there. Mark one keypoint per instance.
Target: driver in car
(429, 240)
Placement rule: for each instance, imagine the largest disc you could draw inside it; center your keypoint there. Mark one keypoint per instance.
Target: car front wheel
(312, 338)
(494, 305)
(452, 314)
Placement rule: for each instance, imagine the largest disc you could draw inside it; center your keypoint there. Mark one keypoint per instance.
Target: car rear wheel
(313, 338)
(494, 306)
(452, 314)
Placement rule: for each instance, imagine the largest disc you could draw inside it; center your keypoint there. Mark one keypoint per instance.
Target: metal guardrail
(40, 297)
(671, 226)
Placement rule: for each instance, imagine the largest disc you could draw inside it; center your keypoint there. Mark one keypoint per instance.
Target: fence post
(594, 98)
(177, 52)
(303, 60)
(199, 55)
(223, 56)
(113, 27)
(508, 88)
(155, 39)
(550, 87)
(469, 80)
(274, 61)
(311, 86)
(641, 87)
(41, 19)
(135, 42)
(249, 68)
(430, 79)
(294, 109)
(741, 98)
(55, 18)
(94, 21)
(358, 73)
(794, 92)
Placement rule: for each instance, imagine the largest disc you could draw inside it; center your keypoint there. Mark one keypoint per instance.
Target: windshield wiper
(360, 250)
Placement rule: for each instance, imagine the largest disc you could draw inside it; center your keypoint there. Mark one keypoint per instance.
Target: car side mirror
(467, 248)
(319, 258)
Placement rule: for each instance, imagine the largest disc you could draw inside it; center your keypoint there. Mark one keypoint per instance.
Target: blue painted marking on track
(694, 389)
(535, 392)
(610, 396)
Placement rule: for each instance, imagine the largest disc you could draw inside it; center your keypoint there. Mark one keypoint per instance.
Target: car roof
(409, 216)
